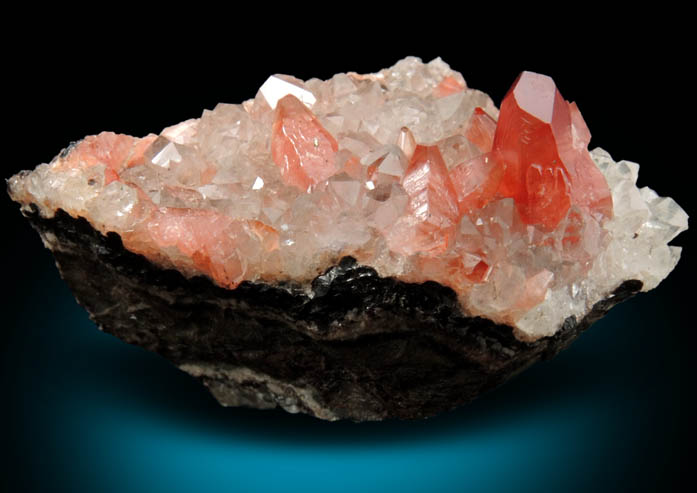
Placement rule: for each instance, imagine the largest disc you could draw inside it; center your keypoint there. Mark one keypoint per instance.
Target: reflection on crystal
(275, 89)
(166, 155)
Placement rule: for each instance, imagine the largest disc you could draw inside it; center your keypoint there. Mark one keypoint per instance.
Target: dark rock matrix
(350, 345)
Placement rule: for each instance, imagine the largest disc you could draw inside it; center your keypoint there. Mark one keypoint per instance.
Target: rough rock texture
(351, 345)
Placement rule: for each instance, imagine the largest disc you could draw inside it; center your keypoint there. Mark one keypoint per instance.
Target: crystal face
(407, 170)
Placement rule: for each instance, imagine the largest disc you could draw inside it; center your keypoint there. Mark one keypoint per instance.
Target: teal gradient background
(83, 412)
(86, 412)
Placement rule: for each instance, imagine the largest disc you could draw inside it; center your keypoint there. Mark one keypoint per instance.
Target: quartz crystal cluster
(407, 170)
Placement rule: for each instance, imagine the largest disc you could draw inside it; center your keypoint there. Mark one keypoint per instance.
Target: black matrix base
(352, 345)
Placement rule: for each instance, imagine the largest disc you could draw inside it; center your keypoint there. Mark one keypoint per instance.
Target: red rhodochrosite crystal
(542, 150)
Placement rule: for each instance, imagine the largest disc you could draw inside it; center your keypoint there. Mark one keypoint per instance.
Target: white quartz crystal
(637, 249)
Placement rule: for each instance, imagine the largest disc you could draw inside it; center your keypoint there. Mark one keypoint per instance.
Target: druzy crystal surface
(407, 170)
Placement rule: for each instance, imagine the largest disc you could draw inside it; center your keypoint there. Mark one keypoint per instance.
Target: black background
(68, 78)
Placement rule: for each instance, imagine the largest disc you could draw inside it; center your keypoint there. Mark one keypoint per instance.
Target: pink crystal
(116, 151)
(301, 147)
(481, 129)
(545, 168)
(449, 85)
(430, 221)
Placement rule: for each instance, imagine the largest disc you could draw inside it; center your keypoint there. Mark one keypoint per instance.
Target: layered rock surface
(408, 171)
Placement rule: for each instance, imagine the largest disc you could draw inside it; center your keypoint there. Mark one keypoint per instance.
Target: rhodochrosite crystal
(407, 173)
(541, 147)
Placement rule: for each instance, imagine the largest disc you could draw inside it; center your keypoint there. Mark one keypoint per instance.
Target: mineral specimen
(370, 246)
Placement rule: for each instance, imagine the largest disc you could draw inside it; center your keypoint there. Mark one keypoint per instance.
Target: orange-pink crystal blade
(208, 238)
(433, 210)
(301, 147)
(449, 85)
(481, 129)
(426, 181)
(589, 187)
(115, 151)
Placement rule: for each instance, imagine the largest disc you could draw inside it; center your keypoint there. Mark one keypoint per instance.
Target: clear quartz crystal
(405, 169)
